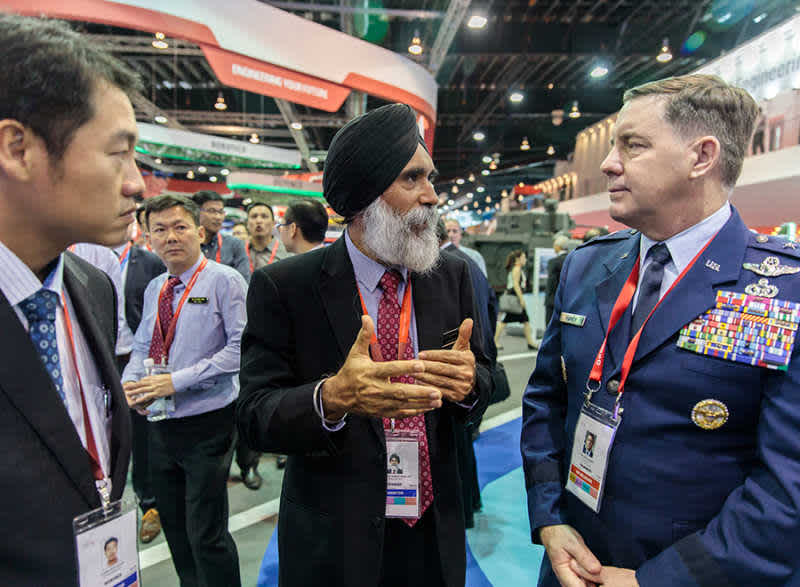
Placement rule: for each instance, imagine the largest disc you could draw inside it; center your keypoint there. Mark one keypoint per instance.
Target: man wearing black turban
(316, 386)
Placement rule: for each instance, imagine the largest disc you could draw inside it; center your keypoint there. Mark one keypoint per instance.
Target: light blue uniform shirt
(205, 353)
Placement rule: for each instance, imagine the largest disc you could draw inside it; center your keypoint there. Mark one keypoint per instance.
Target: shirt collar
(18, 282)
(187, 275)
(368, 271)
(684, 246)
(446, 245)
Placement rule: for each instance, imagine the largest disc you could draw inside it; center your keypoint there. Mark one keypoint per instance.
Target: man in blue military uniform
(683, 328)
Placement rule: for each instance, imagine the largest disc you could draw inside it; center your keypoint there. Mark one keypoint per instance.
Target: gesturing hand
(451, 371)
(573, 563)
(363, 386)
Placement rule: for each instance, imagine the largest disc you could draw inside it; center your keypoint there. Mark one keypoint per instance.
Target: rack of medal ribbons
(745, 328)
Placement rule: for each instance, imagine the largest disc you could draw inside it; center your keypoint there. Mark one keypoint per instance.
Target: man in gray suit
(67, 174)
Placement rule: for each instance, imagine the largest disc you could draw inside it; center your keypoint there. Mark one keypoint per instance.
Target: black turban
(367, 155)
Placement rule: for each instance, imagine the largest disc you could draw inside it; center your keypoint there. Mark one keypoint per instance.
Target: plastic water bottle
(161, 407)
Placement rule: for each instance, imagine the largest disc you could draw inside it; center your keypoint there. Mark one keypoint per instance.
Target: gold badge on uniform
(710, 414)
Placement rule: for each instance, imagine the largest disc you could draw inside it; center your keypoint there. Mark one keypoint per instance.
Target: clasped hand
(363, 386)
(144, 392)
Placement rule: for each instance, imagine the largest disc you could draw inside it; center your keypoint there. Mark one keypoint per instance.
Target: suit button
(612, 386)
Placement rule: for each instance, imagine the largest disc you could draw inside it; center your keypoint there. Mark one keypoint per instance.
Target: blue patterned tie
(650, 287)
(40, 310)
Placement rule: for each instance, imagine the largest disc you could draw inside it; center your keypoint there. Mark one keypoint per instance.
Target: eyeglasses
(213, 211)
(283, 224)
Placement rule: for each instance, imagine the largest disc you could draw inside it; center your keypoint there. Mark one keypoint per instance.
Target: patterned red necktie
(388, 336)
(157, 350)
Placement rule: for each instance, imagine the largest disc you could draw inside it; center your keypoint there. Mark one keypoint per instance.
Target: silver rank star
(790, 245)
(762, 289)
(771, 267)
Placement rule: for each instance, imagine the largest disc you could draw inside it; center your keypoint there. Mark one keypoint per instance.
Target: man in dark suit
(139, 267)
(702, 484)
(67, 174)
(554, 265)
(312, 386)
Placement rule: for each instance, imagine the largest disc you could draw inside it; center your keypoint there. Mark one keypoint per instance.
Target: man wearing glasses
(217, 246)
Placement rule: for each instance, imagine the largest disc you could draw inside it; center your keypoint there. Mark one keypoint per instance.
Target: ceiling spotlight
(254, 139)
(664, 55)
(296, 126)
(488, 199)
(450, 202)
(520, 197)
(455, 189)
(470, 195)
(516, 97)
(160, 119)
(550, 86)
(471, 178)
(504, 194)
(551, 150)
(220, 104)
(465, 207)
(497, 206)
(599, 71)
(477, 21)
(313, 159)
(190, 174)
(157, 160)
(213, 179)
(492, 166)
(478, 135)
(525, 146)
(484, 172)
(201, 169)
(486, 159)
(224, 171)
(488, 209)
(415, 48)
(460, 181)
(574, 112)
(480, 189)
(475, 205)
(159, 42)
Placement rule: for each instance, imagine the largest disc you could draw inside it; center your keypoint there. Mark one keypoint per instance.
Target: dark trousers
(140, 452)
(411, 555)
(189, 459)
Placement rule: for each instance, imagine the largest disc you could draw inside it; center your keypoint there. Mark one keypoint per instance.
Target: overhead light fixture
(470, 195)
(159, 42)
(313, 159)
(497, 206)
(224, 171)
(484, 172)
(201, 169)
(475, 205)
(450, 202)
(471, 178)
(492, 166)
(478, 135)
(486, 159)
(550, 86)
(480, 189)
(488, 199)
(525, 146)
(551, 150)
(599, 71)
(477, 21)
(157, 161)
(460, 181)
(160, 119)
(520, 197)
(574, 111)
(190, 174)
(465, 207)
(220, 104)
(760, 17)
(296, 126)
(664, 55)
(516, 96)
(415, 48)
(254, 139)
(454, 189)
(213, 179)
(504, 194)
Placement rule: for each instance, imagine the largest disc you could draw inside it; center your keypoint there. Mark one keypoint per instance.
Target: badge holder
(591, 447)
(106, 548)
(402, 473)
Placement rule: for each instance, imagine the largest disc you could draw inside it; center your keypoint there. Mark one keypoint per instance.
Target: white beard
(396, 239)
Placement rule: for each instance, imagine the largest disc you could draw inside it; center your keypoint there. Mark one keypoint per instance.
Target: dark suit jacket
(554, 266)
(303, 317)
(682, 505)
(143, 266)
(45, 477)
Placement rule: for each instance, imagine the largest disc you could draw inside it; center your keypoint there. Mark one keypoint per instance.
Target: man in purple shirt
(313, 387)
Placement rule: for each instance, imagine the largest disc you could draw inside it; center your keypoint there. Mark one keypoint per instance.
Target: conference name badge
(106, 547)
(402, 474)
(572, 319)
(197, 300)
(745, 328)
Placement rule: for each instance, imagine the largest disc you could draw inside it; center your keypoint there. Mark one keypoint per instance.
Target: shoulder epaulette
(614, 236)
(775, 244)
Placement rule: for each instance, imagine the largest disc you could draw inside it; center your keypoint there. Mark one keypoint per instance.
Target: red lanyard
(620, 306)
(219, 248)
(405, 326)
(271, 257)
(91, 446)
(123, 257)
(174, 322)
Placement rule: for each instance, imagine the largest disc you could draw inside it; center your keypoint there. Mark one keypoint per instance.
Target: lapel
(697, 291)
(77, 283)
(35, 396)
(618, 267)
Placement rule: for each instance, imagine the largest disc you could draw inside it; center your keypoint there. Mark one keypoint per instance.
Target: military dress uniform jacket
(303, 317)
(683, 505)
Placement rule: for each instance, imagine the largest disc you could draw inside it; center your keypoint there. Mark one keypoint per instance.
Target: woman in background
(515, 284)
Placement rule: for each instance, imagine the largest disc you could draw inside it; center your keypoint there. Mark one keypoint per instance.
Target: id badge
(105, 543)
(402, 474)
(594, 436)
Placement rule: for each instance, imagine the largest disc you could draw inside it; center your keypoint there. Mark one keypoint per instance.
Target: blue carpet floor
(499, 549)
